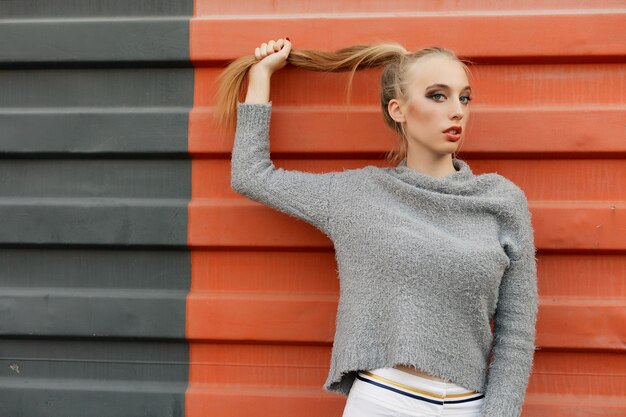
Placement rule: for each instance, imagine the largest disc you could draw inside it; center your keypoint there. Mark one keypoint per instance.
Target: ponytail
(394, 79)
(352, 58)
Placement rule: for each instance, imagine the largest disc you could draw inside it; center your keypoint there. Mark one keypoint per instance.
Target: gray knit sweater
(425, 263)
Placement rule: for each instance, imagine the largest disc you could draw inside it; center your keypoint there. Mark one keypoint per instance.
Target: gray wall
(94, 184)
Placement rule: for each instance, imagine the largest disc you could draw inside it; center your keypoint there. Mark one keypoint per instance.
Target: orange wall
(548, 113)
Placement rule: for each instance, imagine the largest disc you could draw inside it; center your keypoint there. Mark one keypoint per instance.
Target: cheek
(422, 116)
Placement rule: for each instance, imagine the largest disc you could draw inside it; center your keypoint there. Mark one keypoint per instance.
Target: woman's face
(438, 98)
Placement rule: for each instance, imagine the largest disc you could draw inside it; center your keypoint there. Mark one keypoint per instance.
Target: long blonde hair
(394, 79)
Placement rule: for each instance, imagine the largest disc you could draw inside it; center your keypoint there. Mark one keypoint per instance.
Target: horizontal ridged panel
(253, 271)
(127, 41)
(310, 319)
(66, 9)
(111, 399)
(228, 283)
(83, 268)
(564, 226)
(272, 272)
(119, 360)
(493, 130)
(509, 87)
(541, 179)
(137, 179)
(275, 375)
(54, 377)
(354, 7)
(86, 89)
(238, 401)
(577, 276)
(281, 366)
(598, 33)
(103, 312)
(227, 223)
(94, 132)
(591, 323)
(118, 294)
(93, 221)
(286, 318)
(241, 402)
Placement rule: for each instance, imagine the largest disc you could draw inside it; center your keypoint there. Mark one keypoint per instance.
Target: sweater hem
(340, 380)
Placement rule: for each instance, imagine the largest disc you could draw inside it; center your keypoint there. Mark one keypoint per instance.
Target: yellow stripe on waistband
(413, 389)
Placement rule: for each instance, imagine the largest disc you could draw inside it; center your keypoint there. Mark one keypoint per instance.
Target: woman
(428, 253)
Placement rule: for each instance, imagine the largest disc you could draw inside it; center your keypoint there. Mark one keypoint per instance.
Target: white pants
(390, 392)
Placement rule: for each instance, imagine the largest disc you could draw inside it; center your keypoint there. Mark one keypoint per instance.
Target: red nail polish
(287, 37)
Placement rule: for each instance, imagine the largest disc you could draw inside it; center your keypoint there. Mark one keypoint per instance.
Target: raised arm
(515, 317)
(300, 194)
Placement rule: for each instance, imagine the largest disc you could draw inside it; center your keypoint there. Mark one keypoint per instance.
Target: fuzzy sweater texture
(424, 264)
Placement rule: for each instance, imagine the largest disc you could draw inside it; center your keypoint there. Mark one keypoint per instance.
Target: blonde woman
(428, 253)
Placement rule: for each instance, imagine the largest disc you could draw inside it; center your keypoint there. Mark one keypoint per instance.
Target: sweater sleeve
(515, 317)
(299, 194)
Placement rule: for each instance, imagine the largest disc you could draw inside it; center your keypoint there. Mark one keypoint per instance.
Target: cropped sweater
(424, 263)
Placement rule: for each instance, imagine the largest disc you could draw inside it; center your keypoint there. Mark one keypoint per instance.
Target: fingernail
(287, 37)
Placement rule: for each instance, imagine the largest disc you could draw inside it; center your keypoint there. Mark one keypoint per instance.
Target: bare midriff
(418, 372)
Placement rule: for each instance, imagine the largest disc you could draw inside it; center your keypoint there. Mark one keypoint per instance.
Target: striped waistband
(417, 390)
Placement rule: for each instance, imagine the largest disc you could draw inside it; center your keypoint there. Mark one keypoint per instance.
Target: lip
(455, 127)
(454, 137)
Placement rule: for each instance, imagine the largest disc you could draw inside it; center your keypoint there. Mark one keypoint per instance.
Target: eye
(440, 97)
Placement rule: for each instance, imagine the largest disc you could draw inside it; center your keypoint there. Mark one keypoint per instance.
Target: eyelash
(439, 94)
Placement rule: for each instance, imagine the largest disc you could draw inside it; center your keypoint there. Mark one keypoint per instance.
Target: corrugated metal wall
(549, 113)
(135, 282)
(95, 180)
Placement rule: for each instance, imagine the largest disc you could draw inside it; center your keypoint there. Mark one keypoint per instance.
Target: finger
(287, 48)
(270, 47)
(257, 53)
(263, 49)
(279, 44)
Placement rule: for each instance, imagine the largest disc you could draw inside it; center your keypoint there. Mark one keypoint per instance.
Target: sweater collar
(460, 178)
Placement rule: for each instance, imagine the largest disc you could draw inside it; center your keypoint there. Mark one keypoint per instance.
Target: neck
(434, 166)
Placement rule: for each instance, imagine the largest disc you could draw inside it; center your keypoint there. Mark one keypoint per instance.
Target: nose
(457, 111)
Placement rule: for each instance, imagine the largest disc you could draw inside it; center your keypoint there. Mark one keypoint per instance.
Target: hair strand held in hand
(393, 57)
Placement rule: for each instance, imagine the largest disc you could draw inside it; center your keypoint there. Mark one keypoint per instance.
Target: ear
(395, 111)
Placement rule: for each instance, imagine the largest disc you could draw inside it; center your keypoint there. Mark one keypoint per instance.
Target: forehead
(438, 70)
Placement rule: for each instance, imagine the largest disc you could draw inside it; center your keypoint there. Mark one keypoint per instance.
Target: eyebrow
(467, 87)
